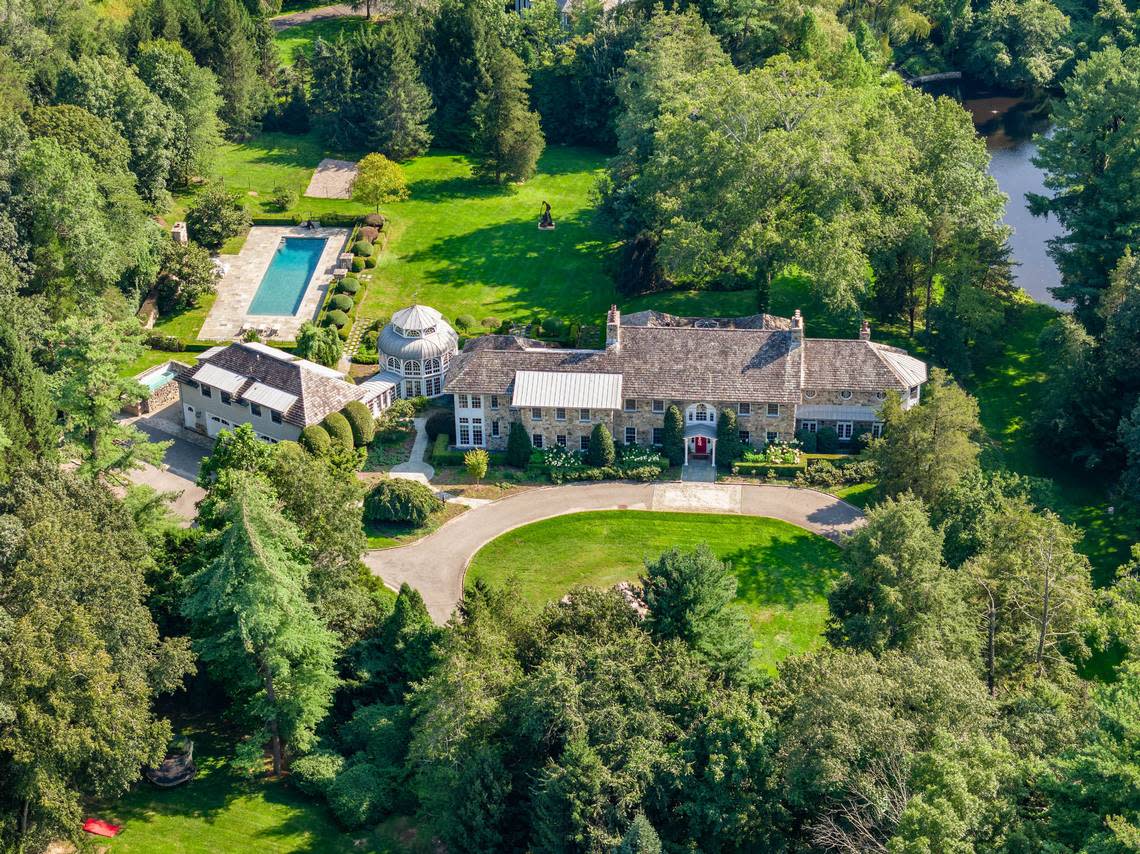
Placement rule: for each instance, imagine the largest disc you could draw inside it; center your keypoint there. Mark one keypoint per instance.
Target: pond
(1008, 125)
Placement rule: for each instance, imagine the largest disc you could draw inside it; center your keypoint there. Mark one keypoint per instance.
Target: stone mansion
(762, 367)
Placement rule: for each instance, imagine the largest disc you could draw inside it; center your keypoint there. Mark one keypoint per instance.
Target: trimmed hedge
(341, 302)
(440, 423)
(438, 450)
(314, 773)
(369, 233)
(375, 220)
(360, 421)
(371, 261)
(336, 425)
(641, 473)
(442, 455)
(762, 469)
(337, 318)
(399, 500)
(358, 264)
(362, 249)
(168, 343)
(315, 439)
(348, 285)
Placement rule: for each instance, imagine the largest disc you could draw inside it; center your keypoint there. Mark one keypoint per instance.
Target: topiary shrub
(399, 500)
(464, 321)
(601, 451)
(673, 441)
(358, 265)
(315, 772)
(336, 317)
(807, 440)
(362, 249)
(369, 233)
(490, 323)
(440, 423)
(348, 285)
(357, 796)
(360, 421)
(315, 439)
(336, 425)
(827, 440)
(341, 302)
(519, 447)
(375, 220)
(342, 333)
(371, 261)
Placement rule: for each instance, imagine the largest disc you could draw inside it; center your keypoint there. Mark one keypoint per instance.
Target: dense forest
(958, 703)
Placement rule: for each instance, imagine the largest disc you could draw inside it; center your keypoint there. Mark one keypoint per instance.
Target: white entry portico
(700, 432)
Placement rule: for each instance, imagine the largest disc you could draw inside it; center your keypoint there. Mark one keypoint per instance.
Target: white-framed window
(773, 410)
(877, 429)
(434, 386)
(772, 436)
(583, 443)
(536, 439)
(536, 413)
(477, 432)
(560, 440)
(461, 401)
(658, 406)
(464, 431)
(559, 414)
(393, 364)
(700, 413)
(495, 429)
(843, 428)
(809, 393)
(845, 394)
(745, 436)
(630, 405)
(494, 401)
(413, 388)
(744, 409)
(914, 392)
(584, 416)
(431, 366)
(810, 426)
(631, 435)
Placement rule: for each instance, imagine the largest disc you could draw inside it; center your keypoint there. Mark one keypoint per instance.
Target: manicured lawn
(784, 572)
(184, 325)
(221, 812)
(386, 535)
(292, 41)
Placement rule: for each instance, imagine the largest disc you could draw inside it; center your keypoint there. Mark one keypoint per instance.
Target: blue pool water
(285, 282)
(156, 381)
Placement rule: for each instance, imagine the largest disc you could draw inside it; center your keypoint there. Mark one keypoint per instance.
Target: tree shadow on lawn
(785, 572)
(284, 149)
(547, 270)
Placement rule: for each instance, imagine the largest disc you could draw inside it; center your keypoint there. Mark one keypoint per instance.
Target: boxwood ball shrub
(369, 233)
(358, 265)
(360, 421)
(315, 772)
(337, 317)
(465, 321)
(399, 500)
(348, 285)
(341, 302)
(362, 248)
(440, 423)
(827, 440)
(357, 797)
(336, 425)
(490, 323)
(371, 261)
(342, 333)
(315, 439)
(374, 220)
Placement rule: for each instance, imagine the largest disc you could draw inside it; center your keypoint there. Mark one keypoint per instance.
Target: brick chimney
(865, 331)
(613, 329)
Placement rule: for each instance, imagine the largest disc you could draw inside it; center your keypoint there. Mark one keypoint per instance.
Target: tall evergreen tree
(398, 123)
(233, 57)
(459, 47)
(254, 627)
(27, 414)
(508, 139)
(673, 438)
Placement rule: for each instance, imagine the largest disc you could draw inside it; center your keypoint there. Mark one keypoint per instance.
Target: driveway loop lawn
(332, 179)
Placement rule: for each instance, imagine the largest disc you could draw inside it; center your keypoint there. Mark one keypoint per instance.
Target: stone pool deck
(237, 287)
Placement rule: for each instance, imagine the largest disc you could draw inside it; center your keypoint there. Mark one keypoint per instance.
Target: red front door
(700, 446)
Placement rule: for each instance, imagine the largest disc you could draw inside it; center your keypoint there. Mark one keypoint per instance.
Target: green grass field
(784, 572)
(293, 41)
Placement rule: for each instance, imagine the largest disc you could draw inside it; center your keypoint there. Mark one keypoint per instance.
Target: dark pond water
(1008, 125)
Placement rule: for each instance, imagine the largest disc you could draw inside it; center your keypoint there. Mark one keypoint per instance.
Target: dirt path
(321, 13)
(436, 564)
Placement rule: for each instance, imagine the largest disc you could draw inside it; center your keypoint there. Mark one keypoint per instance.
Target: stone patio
(243, 277)
(332, 180)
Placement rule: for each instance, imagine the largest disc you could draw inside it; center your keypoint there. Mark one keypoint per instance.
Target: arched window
(431, 366)
(701, 412)
(429, 331)
(412, 368)
(393, 364)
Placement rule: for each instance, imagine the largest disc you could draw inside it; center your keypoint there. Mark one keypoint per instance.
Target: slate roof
(757, 358)
(318, 390)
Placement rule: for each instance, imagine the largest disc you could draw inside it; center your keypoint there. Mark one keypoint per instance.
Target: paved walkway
(415, 468)
(436, 564)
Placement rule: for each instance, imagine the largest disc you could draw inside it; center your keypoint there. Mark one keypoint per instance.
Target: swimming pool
(156, 378)
(285, 281)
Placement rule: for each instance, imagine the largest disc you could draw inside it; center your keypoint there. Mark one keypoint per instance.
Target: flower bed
(633, 463)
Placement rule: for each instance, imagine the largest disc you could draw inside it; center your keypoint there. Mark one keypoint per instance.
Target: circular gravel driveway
(436, 564)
